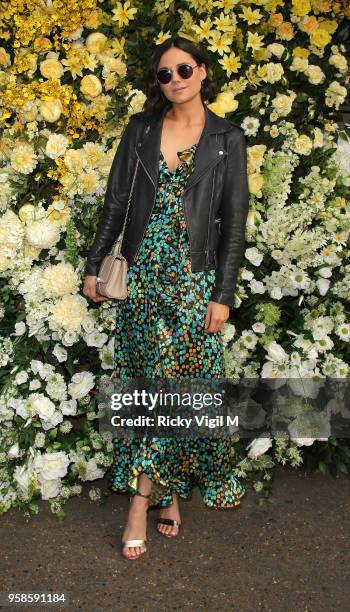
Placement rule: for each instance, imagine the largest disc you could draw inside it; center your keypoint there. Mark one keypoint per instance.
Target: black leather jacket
(215, 198)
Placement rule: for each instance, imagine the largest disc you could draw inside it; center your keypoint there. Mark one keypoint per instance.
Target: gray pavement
(288, 556)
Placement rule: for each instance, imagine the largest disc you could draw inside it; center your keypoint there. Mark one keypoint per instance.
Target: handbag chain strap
(120, 237)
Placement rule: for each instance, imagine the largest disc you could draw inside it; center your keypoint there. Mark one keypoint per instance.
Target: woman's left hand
(217, 315)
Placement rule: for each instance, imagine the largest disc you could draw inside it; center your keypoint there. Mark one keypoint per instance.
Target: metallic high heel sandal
(167, 521)
(135, 543)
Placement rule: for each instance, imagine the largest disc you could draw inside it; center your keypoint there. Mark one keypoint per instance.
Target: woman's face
(187, 88)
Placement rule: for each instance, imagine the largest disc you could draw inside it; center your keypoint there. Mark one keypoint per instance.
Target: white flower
(23, 159)
(52, 465)
(257, 286)
(59, 280)
(20, 329)
(41, 405)
(81, 384)
(253, 255)
(21, 377)
(276, 293)
(323, 285)
(56, 145)
(228, 332)
(43, 234)
(299, 280)
(258, 447)
(60, 353)
(11, 240)
(96, 338)
(258, 327)
(325, 272)
(69, 313)
(19, 405)
(13, 452)
(68, 407)
(343, 331)
(70, 337)
(25, 476)
(92, 471)
(249, 339)
(50, 488)
(276, 353)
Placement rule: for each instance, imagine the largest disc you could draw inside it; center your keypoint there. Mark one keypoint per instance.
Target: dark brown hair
(155, 99)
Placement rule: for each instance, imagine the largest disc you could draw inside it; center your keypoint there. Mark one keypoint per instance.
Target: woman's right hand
(89, 289)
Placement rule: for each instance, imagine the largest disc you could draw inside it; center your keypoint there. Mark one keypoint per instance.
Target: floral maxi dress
(160, 333)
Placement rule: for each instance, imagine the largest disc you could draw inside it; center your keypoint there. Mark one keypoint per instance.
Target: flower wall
(70, 76)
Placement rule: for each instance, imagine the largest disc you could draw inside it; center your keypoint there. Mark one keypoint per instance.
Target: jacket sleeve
(234, 212)
(116, 198)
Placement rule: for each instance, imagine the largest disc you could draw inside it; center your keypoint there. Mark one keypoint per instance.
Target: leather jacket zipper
(149, 216)
(208, 234)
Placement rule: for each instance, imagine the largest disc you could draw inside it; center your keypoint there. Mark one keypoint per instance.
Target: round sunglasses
(185, 71)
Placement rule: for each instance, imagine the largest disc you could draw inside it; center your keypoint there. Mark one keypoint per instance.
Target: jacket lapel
(208, 153)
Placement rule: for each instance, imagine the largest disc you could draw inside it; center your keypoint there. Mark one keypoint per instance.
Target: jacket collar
(209, 152)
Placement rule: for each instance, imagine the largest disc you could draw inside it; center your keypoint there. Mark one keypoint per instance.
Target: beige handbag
(111, 280)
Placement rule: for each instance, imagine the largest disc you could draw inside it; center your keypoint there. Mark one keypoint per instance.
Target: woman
(181, 276)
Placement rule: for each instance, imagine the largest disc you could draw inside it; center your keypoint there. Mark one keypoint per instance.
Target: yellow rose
(315, 74)
(96, 42)
(5, 59)
(301, 52)
(51, 109)
(28, 112)
(272, 72)
(51, 68)
(301, 7)
(90, 86)
(26, 212)
(339, 62)
(255, 155)
(276, 49)
(318, 137)
(255, 183)
(283, 104)
(299, 64)
(303, 144)
(320, 38)
(58, 215)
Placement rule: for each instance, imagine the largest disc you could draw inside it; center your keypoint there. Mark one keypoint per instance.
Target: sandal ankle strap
(142, 494)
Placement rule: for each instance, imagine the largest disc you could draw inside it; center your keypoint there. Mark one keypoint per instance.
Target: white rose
(21, 377)
(81, 384)
(20, 329)
(68, 407)
(52, 465)
(24, 475)
(13, 452)
(60, 353)
(41, 405)
(56, 145)
(276, 353)
(49, 488)
(92, 471)
(276, 293)
(253, 255)
(258, 447)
